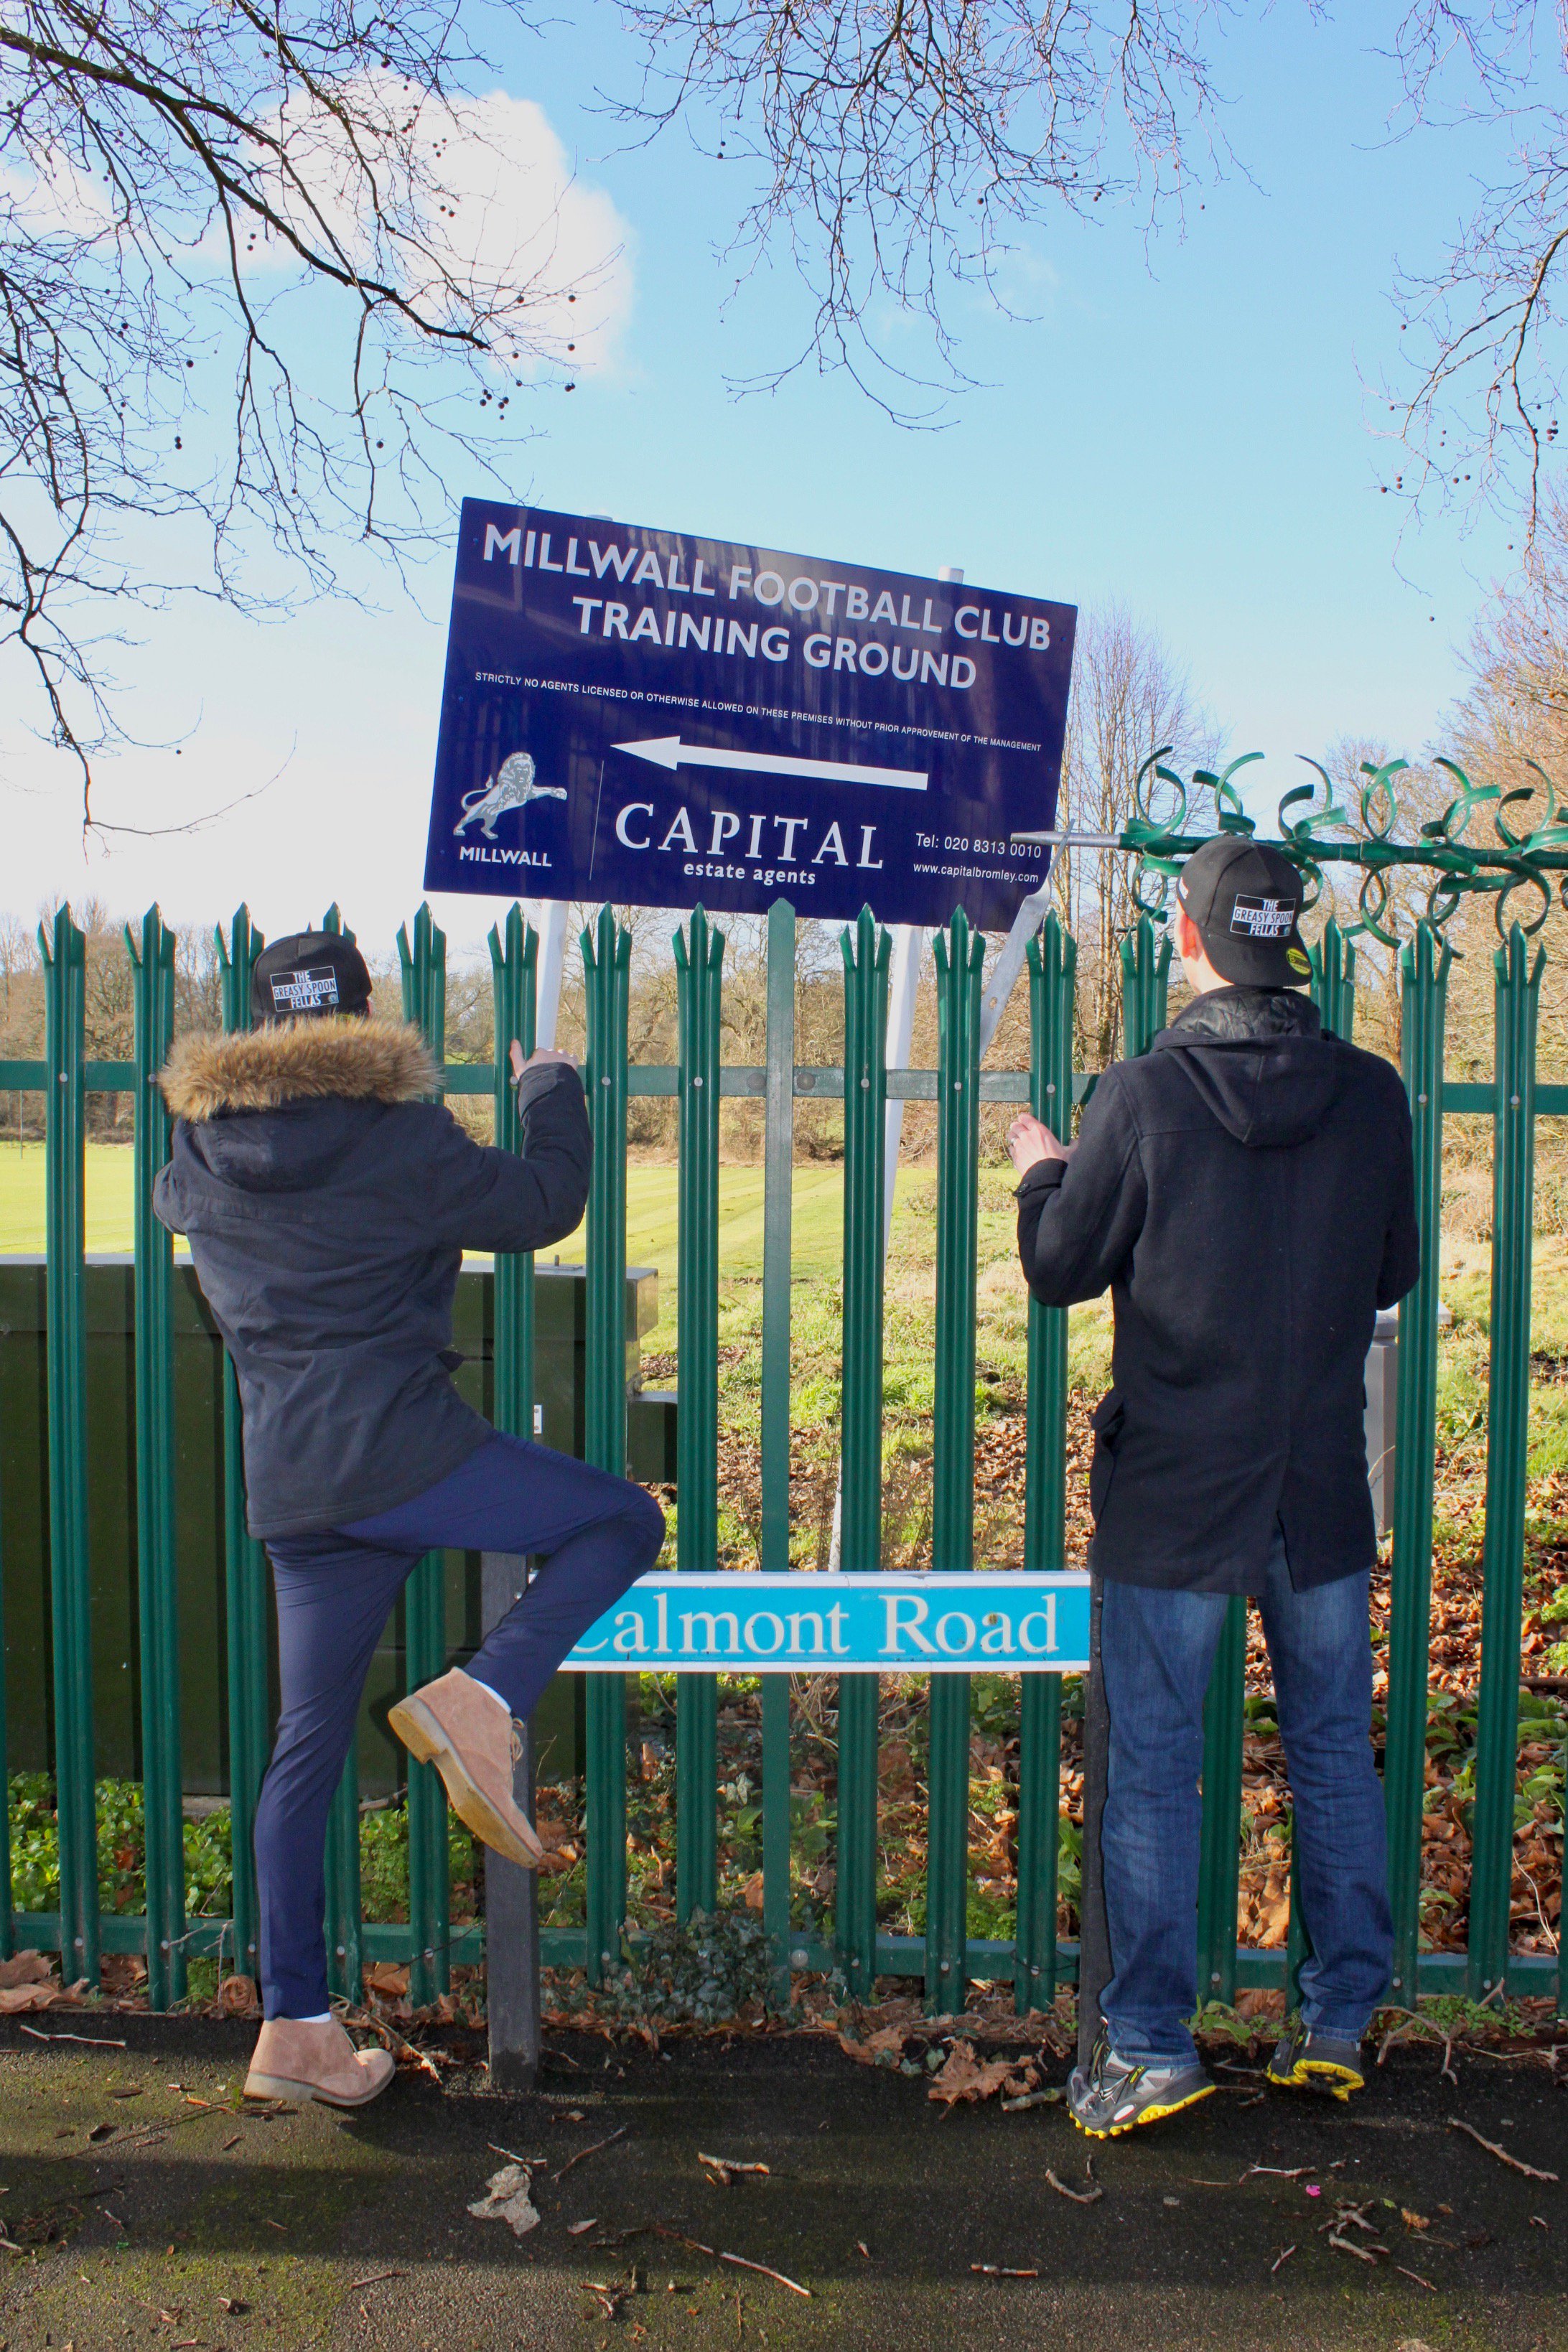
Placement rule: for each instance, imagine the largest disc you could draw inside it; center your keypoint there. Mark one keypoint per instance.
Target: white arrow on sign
(670, 752)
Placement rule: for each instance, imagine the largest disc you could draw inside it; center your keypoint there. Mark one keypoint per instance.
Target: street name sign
(661, 720)
(977, 1622)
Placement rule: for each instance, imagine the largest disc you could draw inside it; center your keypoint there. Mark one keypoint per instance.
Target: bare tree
(1477, 408)
(1129, 700)
(251, 290)
(898, 147)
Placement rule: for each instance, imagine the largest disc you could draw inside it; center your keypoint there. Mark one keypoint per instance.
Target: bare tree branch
(270, 193)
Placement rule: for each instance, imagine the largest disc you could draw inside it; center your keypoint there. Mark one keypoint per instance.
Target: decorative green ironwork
(1325, 834)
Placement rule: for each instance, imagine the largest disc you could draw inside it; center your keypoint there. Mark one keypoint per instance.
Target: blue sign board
(978, 1624)
(661, 720)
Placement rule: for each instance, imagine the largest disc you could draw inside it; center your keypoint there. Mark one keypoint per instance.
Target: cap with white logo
(1244, 899)
(310, 974)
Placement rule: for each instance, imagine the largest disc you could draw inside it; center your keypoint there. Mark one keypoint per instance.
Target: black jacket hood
(1261, 1062)
(279, 1108)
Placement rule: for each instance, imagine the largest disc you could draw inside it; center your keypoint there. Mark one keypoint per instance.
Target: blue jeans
(1157, 1648)
(593, 1536)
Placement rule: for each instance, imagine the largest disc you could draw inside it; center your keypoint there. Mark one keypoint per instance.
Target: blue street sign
(977, 1623)
(656, 720)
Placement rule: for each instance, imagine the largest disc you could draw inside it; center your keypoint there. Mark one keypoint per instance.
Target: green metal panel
(1334, 979)
(1508, 1428)
(245, 1562)
(1052, 964)
(866, 953)
(698, 960)
(1145, 983)
(424, 969)
(607, 965)
(157, 1566)
(1424, 973)
(778, 1180)
(1219, 1852)
(960, 956)
(63, 951)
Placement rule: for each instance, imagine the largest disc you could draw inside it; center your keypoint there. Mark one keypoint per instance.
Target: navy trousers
(592, 1536)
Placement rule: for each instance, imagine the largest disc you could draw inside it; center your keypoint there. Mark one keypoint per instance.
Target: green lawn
(651, 1204)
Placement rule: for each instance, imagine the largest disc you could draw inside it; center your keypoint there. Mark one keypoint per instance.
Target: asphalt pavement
(143, 2205)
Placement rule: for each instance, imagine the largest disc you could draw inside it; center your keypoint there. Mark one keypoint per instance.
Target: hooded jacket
(327, 1208)
(1246, 1190)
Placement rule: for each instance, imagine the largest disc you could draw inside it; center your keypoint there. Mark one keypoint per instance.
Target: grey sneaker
(1114, 2094)
(1305, 2061)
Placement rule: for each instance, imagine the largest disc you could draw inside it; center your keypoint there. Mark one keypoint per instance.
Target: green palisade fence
(60, 1520)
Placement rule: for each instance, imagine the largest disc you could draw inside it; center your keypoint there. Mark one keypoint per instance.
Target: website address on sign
(981, 873)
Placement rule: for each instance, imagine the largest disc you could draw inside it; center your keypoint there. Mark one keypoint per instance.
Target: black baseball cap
(309, 974)
(1245, 900)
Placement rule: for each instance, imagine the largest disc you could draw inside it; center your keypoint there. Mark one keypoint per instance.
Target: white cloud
(494, 203)
(482, 192)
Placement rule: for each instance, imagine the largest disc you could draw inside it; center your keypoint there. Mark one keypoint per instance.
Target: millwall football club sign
(660, 719)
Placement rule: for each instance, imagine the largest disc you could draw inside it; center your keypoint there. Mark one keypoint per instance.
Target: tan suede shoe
(296, 2061)
(463, 1730)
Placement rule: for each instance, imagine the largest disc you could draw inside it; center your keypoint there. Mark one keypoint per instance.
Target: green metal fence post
(1145, 983)
(698, 960)
(867, 953)
(514, 963)
(63, 951)
(1334, 979)
(345, 1938)
(424, 969)
(1424, 970)
(606, 971)
(1053, 965)
(245, 1562)
(777, 1214)
(1508, 1431)
(157, 1568)
(960, 956)
(1219, 1847)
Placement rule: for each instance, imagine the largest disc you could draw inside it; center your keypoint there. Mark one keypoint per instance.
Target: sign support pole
(548, 917)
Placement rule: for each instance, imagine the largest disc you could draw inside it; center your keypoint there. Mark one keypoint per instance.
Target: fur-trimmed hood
(326, 1058)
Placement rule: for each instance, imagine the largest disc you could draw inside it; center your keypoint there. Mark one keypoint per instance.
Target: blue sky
(1182, 427)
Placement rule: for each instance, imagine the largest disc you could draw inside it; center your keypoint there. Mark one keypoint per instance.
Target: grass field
(651, 1214)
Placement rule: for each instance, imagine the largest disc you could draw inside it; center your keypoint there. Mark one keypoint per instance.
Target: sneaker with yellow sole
(1306, 2060)
(1111, 2095)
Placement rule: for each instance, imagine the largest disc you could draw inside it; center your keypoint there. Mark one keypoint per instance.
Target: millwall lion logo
(512, 787)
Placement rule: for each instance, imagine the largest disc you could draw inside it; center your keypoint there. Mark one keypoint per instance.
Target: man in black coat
(328, 1200)
(1245, 1189)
